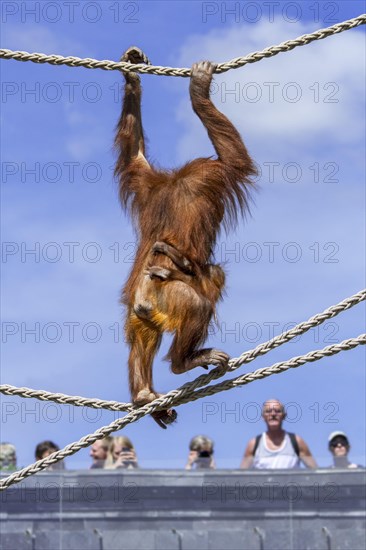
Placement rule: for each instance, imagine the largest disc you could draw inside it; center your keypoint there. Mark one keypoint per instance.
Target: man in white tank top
(276, 448)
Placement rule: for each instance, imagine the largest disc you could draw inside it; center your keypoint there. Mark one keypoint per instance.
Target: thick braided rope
(202, 380)
(172, 399)
(64, 399)
(108, 65)
(277, 368)
(299, 329)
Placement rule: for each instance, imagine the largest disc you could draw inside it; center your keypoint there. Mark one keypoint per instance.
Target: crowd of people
(275, 448)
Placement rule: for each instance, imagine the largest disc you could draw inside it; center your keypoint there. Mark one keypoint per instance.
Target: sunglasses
(339, 442)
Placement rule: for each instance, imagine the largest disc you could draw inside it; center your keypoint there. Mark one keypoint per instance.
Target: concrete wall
(175, 509)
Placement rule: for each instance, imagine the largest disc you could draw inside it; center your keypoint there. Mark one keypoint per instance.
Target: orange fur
(183, 208)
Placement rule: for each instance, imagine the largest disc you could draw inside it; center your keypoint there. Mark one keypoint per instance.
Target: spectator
(99, 451)
(45, 449)
(339, 447)
(8, 457)
(201, 449)
(276, 448)
(121, 454)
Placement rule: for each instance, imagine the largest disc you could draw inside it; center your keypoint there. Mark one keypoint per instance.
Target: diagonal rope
(202, 380)
(108, 65)
(277, 368)
(172, 399)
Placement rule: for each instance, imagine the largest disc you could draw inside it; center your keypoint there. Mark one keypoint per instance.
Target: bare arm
(247, 460)
(192, 458)
(305, 453)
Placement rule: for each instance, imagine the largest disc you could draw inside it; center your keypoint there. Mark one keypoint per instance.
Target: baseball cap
(337, 434)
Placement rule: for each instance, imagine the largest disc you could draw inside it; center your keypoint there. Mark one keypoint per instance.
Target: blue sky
(301, 115)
